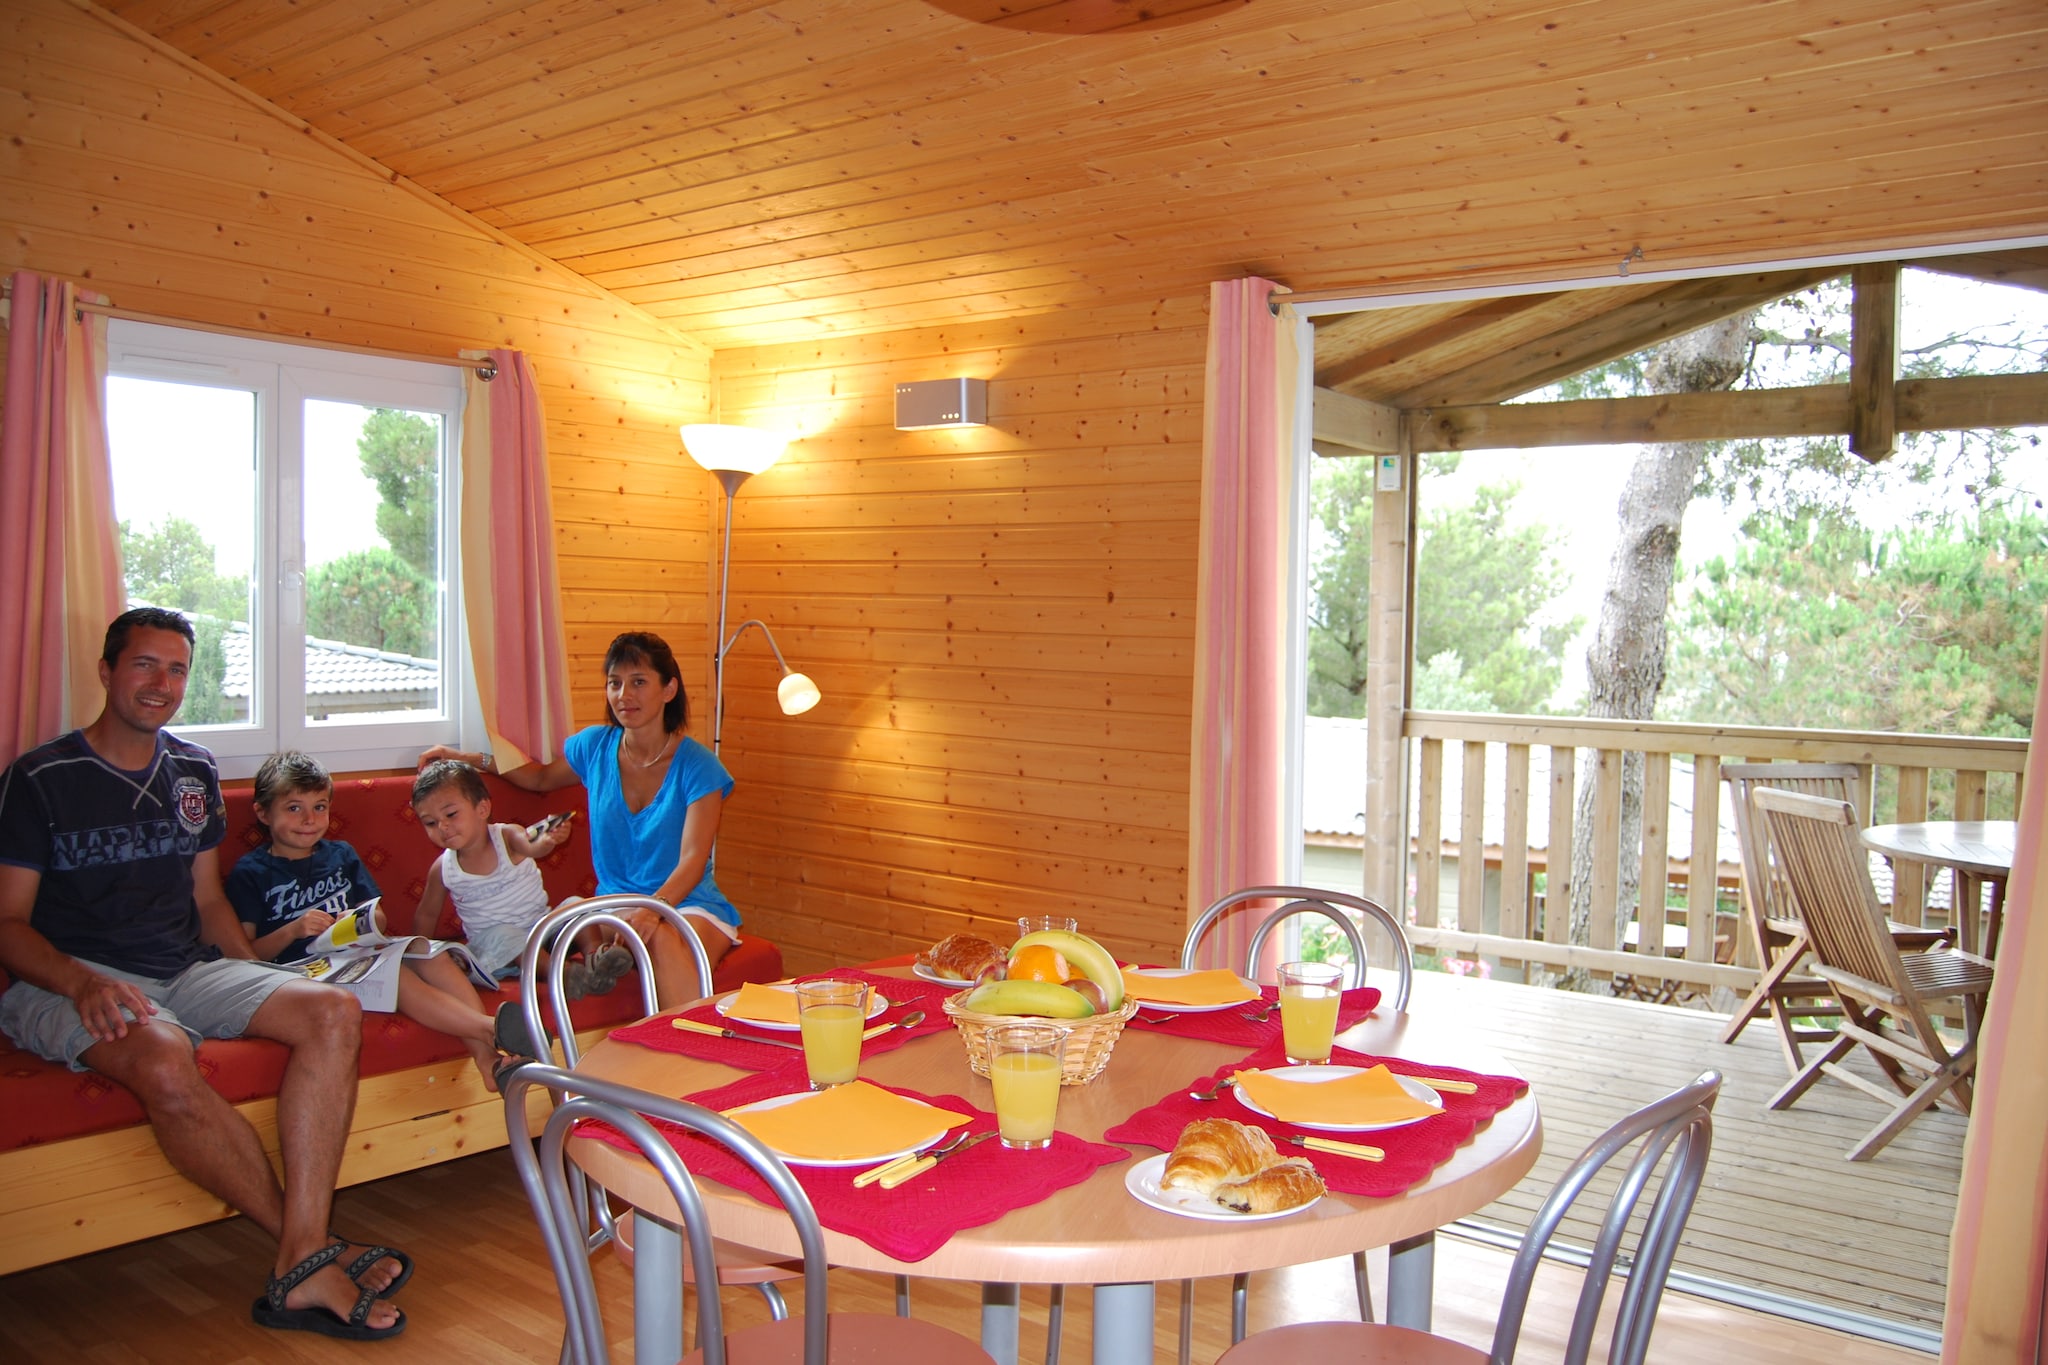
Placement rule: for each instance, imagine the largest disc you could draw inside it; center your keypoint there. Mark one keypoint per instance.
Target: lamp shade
(797, 694)
(741, 450)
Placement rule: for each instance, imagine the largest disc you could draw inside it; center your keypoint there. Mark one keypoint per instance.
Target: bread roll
(1287, 1184)
(962, 957)
(1215, 1152)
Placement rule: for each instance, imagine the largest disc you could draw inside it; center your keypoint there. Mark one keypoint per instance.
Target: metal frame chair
(1884, 993)
(1673, 1134)
(553, 1187)
(1296, 900)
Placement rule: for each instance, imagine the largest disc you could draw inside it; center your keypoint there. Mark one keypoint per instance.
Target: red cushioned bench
(79, 1169)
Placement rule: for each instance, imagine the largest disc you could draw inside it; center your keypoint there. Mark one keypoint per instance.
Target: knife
(917, 1168)
(712, 1030)
(1322, 1144)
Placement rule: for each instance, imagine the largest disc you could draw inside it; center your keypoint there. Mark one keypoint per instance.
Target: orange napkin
(848, 1123)
(1372, 1096)
(763, 1004)
(1218, 987)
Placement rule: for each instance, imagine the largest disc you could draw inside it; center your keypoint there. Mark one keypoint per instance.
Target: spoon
(1214, 1092)
(1262, 1014)
(910, 1020)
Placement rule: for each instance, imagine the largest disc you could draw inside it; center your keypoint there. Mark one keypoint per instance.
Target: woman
(655, 798)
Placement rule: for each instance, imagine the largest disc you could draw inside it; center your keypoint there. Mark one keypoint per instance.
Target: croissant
(1288, 1184)
(1215, 1152)
(961, 957)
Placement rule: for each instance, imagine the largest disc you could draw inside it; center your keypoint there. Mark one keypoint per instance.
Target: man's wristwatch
(486, 762)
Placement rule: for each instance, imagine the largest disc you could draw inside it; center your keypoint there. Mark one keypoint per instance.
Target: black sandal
(509, 1035)
(360, 1266)
(270, 1310)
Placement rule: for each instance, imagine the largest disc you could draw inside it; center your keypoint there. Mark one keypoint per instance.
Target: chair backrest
(1674, 1133)
(1814, 845)
(1310, 900)
(1763, 890)
(549, 1178)
(547, 1011)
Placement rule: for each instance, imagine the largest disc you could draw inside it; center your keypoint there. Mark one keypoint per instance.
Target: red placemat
(906, 996)
(916, 1218)
(1412, 1152)
(1231, 1027)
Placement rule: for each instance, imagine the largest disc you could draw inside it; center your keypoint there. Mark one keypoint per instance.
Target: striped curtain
(1998, 1250)
(60, 553)
(1243, 630)
(511, 597)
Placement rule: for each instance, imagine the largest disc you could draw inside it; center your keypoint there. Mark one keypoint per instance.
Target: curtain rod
(464, 358)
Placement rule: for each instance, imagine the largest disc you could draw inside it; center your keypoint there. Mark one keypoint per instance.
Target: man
(125, 952)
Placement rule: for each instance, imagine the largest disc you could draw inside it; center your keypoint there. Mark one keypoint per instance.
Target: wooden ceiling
(757, 171)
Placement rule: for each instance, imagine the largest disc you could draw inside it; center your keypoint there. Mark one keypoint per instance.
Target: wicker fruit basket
(1089, 1041)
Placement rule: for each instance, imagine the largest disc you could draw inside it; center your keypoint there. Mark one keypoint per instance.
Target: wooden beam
(1874, 360)
(2023, 269)
(1642, 322)
(1355, 424)
(2002, 400)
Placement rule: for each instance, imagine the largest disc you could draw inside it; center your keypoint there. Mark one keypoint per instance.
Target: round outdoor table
(1094, 1232)
(1975, 851)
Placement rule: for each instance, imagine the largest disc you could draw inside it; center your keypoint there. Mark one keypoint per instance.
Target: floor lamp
(734, 455)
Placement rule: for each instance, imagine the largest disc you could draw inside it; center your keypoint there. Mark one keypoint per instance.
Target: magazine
(354, 953)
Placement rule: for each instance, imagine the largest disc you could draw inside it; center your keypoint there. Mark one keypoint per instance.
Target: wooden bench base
(64, 1199)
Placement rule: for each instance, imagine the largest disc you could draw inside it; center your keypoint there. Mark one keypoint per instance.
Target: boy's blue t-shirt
(269, 892)
(637, 850)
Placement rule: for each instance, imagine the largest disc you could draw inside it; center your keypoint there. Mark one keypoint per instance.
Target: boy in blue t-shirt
(289, 891)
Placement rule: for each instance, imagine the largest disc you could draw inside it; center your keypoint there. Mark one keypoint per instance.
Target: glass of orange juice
(1024, 1067)
(831, 1014)
(1308, 1009)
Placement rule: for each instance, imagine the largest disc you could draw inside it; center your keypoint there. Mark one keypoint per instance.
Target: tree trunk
(1625, 663)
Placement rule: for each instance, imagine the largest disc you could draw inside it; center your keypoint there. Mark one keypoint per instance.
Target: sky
(1576, 489)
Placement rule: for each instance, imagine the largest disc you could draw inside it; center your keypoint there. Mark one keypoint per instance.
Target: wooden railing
(1913, 777)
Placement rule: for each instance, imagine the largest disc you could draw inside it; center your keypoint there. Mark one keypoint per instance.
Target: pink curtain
(1998, 1249)
(60, 554)
(511, 596)
(1237, 817)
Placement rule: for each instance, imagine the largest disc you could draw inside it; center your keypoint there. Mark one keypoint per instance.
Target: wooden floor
(1782, 1209)
(1872, 1237)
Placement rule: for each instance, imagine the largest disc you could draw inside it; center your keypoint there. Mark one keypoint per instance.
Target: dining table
(1978, 853)
(1092, 1229)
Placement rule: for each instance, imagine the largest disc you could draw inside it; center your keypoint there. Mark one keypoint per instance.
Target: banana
(1085, 955)
(1046, 998)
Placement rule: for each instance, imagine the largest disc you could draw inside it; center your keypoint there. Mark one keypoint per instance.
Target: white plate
(1416, 1090)
(924, 973)
(1166, 973)
(872, 1160)
(1142, 1180)
(876, 1004)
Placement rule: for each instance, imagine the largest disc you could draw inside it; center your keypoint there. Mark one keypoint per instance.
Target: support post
(1874, 360)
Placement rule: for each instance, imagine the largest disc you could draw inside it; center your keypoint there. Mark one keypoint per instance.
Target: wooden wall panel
(137, 171)
(1001, 620)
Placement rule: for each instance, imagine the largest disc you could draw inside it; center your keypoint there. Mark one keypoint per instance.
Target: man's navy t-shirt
(115, 849)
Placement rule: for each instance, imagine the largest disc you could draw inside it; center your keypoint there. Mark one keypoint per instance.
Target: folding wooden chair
(1884, 994)
(1788, 991)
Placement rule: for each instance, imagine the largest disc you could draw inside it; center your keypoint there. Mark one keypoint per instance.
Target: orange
(1040, 963)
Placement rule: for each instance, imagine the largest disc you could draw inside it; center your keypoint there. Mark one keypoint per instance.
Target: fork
(1261, 1015)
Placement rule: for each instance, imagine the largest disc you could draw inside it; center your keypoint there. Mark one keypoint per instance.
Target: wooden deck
(1782, 1210)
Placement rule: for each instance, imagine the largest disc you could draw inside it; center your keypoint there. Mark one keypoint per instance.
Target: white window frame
(283, 376)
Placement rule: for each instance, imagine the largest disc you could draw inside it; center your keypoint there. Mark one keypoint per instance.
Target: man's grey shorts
(208, 1000)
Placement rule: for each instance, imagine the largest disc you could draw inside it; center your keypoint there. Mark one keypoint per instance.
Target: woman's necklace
(667, 744)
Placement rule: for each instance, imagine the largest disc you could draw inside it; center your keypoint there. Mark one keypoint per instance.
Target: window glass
(297, 504)
(184, 467)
